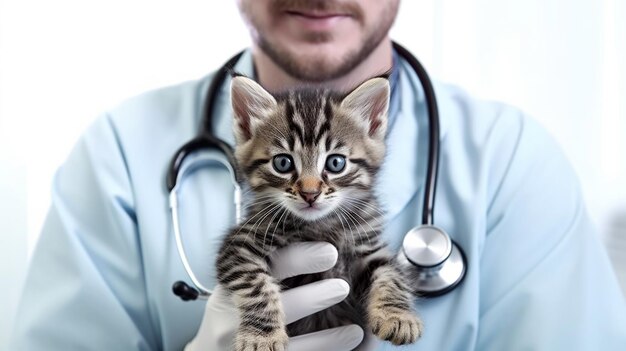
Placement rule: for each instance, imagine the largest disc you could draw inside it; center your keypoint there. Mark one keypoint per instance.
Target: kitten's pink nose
(309, 188)
(310, 197)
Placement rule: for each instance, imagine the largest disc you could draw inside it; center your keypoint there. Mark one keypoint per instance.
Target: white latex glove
(221, 319)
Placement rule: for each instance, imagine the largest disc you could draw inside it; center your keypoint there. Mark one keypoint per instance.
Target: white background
(63, 62)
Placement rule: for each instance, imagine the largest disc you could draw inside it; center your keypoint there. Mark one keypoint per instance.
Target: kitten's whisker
(356, 213)
(257, 195)
(252, 217)
(288, 213)
(359, 208)
(258, 223)
(249, 201)
(259, 200)
(260, 196)
(270, 223)
(374, 219)
(233, 236)
(364, 203)
(350, 215)
(340, 220)
(339, 216)
(346, 217)
(256, 203)
(285, 210)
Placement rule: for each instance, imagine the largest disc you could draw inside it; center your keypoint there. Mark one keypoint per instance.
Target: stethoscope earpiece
(184, 291)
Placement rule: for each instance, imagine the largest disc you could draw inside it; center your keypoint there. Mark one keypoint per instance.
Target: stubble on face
(321, 68)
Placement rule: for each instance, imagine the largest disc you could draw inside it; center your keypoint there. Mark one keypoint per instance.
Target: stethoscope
(432, 262)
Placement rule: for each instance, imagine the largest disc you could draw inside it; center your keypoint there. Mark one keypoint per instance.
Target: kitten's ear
(368, 103)
(251, 104)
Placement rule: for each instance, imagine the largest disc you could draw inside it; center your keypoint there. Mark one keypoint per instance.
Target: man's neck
(273, 78)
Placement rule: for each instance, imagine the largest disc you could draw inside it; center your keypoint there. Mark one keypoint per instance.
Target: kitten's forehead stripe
(307, 117)
(309, 114)
(328, 142)
(290, 111)
(291, 141)
(324, 120)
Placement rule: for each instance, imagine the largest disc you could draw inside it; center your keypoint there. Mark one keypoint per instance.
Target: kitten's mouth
(311, 212)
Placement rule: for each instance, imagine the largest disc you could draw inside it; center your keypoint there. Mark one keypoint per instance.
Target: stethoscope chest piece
(433, 262)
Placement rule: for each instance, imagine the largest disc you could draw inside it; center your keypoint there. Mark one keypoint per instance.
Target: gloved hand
(221, 320)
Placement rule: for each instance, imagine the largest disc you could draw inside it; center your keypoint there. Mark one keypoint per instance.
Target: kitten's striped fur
(311, 203)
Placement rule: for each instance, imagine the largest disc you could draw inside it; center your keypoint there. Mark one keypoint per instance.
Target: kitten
(310, 158)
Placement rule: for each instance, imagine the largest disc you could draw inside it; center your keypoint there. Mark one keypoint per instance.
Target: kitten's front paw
(250, 341)
(400, 328)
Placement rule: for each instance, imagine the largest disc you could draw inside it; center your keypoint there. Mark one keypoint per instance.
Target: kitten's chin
(312, 213)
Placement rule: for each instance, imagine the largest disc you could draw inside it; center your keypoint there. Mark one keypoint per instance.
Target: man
(537, 276)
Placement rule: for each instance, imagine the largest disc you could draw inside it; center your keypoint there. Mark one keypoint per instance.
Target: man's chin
(314, 58)
(315, 62)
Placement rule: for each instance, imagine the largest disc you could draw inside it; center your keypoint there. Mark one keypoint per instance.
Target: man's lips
(317, 15)
(317, 21)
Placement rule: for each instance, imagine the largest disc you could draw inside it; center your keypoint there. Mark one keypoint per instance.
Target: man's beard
(322, 69)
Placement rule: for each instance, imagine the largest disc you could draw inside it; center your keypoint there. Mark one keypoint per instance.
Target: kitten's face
(310, 151)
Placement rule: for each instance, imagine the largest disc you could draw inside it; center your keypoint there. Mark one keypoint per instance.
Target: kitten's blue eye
(283, 163)
(335, 163)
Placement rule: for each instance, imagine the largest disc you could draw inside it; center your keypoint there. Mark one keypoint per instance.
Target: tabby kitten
(310, 158)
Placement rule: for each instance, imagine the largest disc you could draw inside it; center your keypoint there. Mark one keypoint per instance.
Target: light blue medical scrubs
(538, 277)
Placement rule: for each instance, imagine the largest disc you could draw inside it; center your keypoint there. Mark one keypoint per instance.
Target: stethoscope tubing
(432, 169)
(206, 139)
(203, 292)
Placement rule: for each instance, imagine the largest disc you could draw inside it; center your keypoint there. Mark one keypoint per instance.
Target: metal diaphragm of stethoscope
(432, 262)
